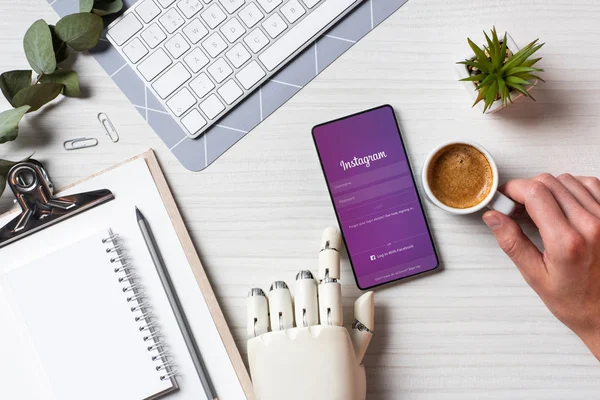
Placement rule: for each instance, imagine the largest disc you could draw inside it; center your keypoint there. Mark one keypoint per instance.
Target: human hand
(317, 360)
(566, 275)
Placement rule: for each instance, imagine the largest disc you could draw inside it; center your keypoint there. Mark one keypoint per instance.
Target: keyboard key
(274, 25)
(250, 75)
(251, 15)
(193, 122)
(154, 64)
(238, 55)
(202, 85)
(214, 45)
(269, 5)
(303, 32)
(256, 40)
(212, 106)
(147, 10)
(195, 31)
(213, 16)
(181, 102)
(292, 11)
(230, 91)
(153, 36)
(189, 8)
(135, 50)
(171, 80)
(231, 5)
(177, 45)
(123, 30)
(220, 70)
(310, 3)
(233, 30)
(196, 60)
(165, 3)
(171, 20)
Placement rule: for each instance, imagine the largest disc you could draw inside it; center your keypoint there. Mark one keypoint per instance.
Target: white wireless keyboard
(202, 57)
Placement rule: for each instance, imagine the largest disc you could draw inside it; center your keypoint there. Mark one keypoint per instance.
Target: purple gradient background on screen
(377, 206)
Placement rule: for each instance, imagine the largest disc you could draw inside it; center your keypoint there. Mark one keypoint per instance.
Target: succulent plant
(496, 71)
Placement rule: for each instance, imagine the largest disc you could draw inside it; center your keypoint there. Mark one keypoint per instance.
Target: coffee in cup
(461, 177)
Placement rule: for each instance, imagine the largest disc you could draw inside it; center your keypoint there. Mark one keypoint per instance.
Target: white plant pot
(463, 72)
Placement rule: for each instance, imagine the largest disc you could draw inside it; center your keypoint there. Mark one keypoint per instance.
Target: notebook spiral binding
(139, 306)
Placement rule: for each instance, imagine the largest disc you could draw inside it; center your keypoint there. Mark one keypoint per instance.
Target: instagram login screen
(375, 197)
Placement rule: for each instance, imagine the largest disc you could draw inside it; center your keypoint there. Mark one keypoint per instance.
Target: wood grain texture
(475, 329)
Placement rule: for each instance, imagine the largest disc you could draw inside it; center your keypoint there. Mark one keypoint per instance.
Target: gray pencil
(176, 306)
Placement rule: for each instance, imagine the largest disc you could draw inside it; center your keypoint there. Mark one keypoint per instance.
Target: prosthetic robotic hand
(318, 359)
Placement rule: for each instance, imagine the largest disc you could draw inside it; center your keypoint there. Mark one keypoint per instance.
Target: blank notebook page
(73, 308)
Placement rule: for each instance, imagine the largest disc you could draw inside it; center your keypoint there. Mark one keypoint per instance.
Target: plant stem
(38, 78)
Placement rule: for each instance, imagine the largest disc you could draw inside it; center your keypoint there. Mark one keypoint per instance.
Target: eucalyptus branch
(46, 47)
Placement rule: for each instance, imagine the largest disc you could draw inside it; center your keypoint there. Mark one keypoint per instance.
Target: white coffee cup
(494, 200)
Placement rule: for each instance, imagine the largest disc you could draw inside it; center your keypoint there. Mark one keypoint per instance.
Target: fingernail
(492, 222)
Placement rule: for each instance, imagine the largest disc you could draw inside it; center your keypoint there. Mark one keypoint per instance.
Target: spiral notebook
(85, 313)
(67, 329)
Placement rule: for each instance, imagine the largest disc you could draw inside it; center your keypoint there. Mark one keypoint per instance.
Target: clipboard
(192, 257)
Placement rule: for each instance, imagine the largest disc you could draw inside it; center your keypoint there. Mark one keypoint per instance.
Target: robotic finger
(330, 290)
(329, 255)
(280, 306)
(364, 323)
(257, 313)
(305, 300)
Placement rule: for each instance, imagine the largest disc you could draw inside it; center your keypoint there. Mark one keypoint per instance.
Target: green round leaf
(66, 77)
(85, 6)
(37, 95)
(80, 31)
(38, 48)
(61, 50)
(9, 123)
(107, 7)
(13, 81)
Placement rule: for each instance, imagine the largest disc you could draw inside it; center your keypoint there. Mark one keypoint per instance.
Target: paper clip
(108, 127)
(80, 143)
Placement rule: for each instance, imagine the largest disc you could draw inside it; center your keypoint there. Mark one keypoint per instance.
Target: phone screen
(375, 197)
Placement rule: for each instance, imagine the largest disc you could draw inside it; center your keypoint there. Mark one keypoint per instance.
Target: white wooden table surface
(474, 330)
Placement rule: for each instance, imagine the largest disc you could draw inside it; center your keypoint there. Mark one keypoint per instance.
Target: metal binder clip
(80, 143)
(108, 127)
(34, 191)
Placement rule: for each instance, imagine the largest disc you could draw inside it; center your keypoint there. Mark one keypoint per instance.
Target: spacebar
(304, 32)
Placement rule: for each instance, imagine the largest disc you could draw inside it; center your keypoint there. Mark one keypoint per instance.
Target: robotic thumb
(362, 328)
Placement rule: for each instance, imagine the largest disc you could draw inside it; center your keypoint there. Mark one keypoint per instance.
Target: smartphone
(375, 197)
